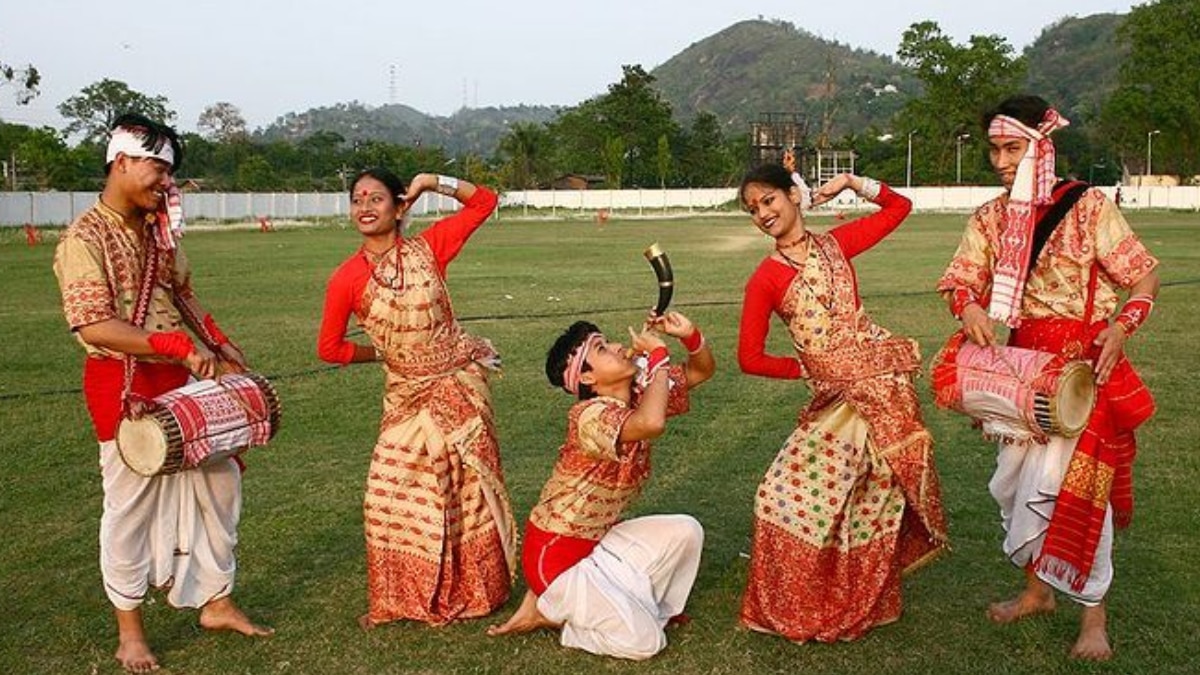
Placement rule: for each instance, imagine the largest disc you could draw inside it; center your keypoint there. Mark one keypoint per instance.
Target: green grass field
(519, 283)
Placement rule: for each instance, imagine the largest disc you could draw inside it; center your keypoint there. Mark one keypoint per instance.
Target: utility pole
(908, 161)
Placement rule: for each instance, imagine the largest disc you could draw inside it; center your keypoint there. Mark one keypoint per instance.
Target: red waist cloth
(546, 555)
(104, 382)
(1100, 472)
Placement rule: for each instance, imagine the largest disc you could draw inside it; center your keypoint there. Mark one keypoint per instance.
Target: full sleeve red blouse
(347, 283)
(769, 283)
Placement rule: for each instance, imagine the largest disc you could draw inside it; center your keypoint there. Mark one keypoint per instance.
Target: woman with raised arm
(852, 499)
(440, 532)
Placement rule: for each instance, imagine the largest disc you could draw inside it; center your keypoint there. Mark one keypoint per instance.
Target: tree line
(630, 137)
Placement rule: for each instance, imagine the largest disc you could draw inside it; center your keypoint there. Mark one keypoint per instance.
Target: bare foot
(1037, 598)
(364, 622)
(135, 656)
(1092, 643)
(133, 652)
(527, 618)
(223, 614)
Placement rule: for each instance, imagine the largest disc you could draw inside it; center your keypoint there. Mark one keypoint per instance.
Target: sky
(272, 57)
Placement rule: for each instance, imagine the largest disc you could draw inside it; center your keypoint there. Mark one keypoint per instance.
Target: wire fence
(307, 372)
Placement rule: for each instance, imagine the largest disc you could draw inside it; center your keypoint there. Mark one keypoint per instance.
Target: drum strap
(140, 309)
(1071, 192)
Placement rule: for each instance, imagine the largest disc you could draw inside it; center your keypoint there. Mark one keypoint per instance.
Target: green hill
(470, 130)
(1075, 63)
(760, 66)
(749, 68)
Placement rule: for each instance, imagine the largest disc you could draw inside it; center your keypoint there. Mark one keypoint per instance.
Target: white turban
(130, 143)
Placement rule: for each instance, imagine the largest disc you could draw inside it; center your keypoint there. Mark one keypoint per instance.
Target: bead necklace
(824, 300)
(379, 263)
(780, 248)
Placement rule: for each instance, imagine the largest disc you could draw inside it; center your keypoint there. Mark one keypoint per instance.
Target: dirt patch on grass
(747, 241)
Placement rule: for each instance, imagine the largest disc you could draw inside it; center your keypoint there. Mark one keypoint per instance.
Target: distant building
(576, 181)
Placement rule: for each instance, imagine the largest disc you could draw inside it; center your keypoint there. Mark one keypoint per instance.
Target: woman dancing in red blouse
(439, 526)
(852, 499)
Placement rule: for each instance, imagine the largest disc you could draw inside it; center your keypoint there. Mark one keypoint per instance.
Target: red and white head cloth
(132, 142)
(575, 363)
(1032, 187)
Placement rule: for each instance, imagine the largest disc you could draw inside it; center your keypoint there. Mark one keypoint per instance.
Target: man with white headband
(127, 296)
(1047, 259)
(611, 586)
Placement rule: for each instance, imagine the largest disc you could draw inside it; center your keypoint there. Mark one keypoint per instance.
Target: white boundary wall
(60, 208)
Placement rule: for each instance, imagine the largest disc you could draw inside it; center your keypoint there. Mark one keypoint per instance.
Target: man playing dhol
(1050, 270)
(611, 586)
(127, 296)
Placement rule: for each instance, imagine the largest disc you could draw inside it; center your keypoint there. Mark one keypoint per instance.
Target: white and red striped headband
(575, 363)
(130, 143)
(1041, 151)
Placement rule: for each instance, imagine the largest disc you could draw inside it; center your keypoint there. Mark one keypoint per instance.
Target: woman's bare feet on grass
(527, 618)
(1092, 643)
(223, 614)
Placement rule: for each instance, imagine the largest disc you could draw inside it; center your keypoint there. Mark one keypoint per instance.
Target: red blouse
(347, 283)
(768, 285)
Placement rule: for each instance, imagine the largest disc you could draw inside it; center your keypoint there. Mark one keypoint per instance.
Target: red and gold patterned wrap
(852, 500)
(441, 539)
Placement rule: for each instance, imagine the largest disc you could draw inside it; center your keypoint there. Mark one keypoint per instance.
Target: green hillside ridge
(771, 66)
(1075, 64)
(753, 67)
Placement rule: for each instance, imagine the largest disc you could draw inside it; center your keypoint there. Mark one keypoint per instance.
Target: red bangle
(656, 358)
(173, 344)
(692, 343)
(959, 300)
(214, 332)
(1135, 312)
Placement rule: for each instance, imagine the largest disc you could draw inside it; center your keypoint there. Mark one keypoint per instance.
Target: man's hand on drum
(1111, 342)
(202, 362)
(978, 325)
(233, 360)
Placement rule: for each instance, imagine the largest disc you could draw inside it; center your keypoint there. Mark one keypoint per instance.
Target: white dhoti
(178, 531)
(1025, 485)
(618, 600)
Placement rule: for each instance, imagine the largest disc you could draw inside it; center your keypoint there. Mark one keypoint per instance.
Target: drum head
(142, 444)
(1076, 397)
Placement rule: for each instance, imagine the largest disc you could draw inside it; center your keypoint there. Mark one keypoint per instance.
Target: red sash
(104, 384)
(1101, 468)
(546, 555)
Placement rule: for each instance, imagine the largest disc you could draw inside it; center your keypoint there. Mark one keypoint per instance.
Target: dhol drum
(1014, 393)
(200, 422)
